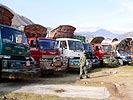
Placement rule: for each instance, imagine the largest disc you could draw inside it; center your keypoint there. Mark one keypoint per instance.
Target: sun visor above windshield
(97, 40)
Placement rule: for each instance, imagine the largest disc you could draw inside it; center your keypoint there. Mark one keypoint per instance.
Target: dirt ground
(118, 81)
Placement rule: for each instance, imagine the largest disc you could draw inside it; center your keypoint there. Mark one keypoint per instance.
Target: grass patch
(31, 96)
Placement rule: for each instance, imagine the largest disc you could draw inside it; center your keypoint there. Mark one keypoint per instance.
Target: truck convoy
(103, 52)
(15, 61)
(119, 51)
(43, 50)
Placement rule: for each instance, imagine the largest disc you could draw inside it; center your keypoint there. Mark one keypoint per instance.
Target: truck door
(63, 48)
(34, 50)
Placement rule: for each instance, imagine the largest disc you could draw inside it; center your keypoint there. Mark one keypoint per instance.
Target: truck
(80, 37)
(122, 50)
(15, 61)
(88, 47)
(43, 50)
(71, 50)
(103, 52)
(98, 48)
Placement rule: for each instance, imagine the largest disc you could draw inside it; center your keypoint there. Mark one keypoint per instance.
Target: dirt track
(113, 83)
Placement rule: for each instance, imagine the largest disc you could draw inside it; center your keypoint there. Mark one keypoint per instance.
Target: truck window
(75, 45)
(13, 36)
(47, 44)
(7, 35)
(63, 44)
(33, 44)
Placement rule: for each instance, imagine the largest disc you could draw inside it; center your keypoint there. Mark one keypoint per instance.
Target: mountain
(18, 20)
(125, 35)
(99, 32)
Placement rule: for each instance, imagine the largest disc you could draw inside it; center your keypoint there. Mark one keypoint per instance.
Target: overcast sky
(116, 15)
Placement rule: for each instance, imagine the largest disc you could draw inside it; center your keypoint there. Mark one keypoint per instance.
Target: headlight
(5, 56)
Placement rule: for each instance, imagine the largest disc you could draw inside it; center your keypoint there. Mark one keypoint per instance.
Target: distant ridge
(100, 32)
(126, 35)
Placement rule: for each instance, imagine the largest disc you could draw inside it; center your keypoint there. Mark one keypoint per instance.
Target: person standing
(83, 67)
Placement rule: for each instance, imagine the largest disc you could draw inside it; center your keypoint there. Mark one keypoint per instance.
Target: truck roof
(2, 25)
(68, 39)
(40, 38)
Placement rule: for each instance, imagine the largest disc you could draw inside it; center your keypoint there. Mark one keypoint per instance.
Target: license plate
(27, 63)
(57, 64)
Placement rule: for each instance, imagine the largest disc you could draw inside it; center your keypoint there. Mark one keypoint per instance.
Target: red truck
(98, 47)
(43, 50)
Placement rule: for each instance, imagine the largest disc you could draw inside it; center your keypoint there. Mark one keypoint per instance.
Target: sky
(85, 15)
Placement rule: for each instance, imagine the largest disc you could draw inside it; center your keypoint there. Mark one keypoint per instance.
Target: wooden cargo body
(63, 31)
(5, 16)
(35, 30)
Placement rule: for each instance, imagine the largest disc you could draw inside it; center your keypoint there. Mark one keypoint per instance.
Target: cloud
(127, 4)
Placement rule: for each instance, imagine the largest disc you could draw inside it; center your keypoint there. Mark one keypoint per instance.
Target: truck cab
(98, 48)
(45, 54)
(71, 50)
(15, 60)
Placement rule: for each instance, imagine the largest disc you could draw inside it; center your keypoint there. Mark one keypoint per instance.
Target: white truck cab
(71, 50)
(70, 47)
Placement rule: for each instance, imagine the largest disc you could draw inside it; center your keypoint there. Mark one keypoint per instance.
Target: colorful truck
(88, 47)
(43, 50)
(71, 49)
(103, 52)
(122, 50)
(98, 48)
(15, 61)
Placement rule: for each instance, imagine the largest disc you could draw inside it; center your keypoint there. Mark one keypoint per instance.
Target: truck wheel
(120, 62)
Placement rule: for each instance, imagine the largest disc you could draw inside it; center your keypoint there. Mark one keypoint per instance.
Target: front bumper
(21, 73)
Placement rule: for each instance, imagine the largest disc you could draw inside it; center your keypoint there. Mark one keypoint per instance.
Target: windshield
(13, 36)
(88, 47)
(47, 44)
(106, 48)
(75, 45)
(121, 52)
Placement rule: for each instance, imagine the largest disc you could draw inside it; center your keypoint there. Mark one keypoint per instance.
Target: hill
(100, 32)
(128, 34)
(18, 20)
